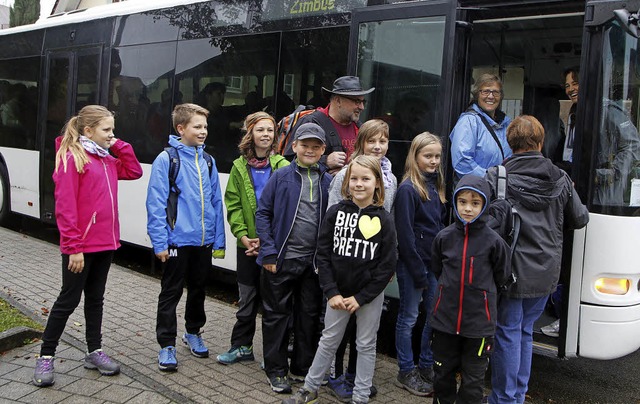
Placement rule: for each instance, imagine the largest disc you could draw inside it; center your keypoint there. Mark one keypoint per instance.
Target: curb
(15, 337)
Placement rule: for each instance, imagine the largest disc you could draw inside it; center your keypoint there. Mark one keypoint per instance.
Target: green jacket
(240, 197)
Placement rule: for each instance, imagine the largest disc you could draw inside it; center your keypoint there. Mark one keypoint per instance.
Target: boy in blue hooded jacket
(471, 262)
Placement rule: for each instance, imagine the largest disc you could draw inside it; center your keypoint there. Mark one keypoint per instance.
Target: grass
(11, 317)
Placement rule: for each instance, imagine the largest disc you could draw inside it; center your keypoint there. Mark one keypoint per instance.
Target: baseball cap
(310, 130)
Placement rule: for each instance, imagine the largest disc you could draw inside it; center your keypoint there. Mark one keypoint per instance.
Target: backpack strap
(501, 193)
(209, 160)
(489, 128)
(174, 167)
(501, 186)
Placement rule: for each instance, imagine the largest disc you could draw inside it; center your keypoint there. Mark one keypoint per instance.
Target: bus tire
(5, 198)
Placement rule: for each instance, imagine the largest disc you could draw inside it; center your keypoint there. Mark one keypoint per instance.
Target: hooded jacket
(240, 197)
(87, 203)
(473, 148)
(547, 204)
(356, 253)
(470, 261)
(200, 220)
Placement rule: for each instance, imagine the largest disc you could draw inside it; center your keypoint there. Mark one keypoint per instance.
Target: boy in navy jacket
(288, 218)
(471, 262)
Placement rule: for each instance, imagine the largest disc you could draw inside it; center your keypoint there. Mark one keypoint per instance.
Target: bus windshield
(616, 167)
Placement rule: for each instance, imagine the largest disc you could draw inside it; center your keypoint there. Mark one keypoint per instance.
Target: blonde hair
(372, 164)
(182, 114)
(368, 130)
(89, 116)
(412, 171)
(247, 145)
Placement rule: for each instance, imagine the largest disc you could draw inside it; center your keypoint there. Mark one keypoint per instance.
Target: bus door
(405, 51)
(71, 82)
(604, 298)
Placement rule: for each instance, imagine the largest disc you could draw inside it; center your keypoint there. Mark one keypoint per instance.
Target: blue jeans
(513, 347)
(410, 297)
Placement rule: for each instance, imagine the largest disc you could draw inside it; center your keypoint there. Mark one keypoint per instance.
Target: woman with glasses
(479, 139)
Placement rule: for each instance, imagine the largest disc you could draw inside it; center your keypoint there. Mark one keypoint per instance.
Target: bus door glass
(72, 78)
(404, 51)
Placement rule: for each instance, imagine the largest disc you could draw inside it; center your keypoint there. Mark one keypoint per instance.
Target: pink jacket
(87, 203)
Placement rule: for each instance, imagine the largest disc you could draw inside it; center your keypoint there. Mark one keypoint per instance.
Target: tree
(24, 12)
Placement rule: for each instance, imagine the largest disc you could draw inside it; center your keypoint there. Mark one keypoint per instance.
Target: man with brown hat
(340, 121)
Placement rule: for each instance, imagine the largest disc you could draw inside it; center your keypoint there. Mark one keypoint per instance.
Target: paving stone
(45, 396)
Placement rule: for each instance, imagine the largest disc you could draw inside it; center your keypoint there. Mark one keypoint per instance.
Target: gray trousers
(335, 323)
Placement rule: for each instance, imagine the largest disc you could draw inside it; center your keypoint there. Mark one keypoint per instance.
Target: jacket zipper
(201, 196)
(462, 276)
(486, 305)
(113, 207)
(291, 228)
(91, 222)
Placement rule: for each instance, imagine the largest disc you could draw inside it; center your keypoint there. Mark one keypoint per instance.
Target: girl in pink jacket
(86, 193)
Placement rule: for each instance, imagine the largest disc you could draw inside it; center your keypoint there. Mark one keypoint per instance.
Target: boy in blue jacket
(288, 218)
(471, 263)
(186, 244)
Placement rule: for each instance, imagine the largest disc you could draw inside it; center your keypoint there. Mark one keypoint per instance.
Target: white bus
(235, 57)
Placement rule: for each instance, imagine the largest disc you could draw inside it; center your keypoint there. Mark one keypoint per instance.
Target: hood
(537, 183)
(58, 142)
(175, 142)
(473, 183)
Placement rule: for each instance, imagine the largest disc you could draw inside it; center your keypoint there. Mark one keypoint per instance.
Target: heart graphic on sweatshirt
(368, 226)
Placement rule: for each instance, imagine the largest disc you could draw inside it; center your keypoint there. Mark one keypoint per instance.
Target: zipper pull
(93, 218)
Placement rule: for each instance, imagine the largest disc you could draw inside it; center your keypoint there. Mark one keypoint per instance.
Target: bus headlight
(613, 286)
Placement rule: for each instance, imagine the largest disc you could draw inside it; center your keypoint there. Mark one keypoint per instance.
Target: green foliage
(10, 317)
(24, 12)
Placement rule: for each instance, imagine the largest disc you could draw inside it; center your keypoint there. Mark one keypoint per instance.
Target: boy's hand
(252, 245)
(337, 303)
(351, 304)
(270, 267)
(76, 263)
(217, 254)
(163, 256)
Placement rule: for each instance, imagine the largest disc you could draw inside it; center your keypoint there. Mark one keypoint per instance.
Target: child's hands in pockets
(351, 304)
(337, 303)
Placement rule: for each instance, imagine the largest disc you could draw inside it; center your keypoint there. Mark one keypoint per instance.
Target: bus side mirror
(628, 21)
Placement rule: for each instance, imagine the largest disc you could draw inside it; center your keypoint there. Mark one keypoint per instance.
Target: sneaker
(294, 378)
(426, 374)
(413, 383)
(280, 384)
(101, 361)
(167, 360)
(196, 345)
(351, 379)
(552, 330)
(302, 396)
(233, 355)
(340, 388)
(43, 375)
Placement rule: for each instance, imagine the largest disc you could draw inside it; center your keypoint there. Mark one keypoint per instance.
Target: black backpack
(174, 191)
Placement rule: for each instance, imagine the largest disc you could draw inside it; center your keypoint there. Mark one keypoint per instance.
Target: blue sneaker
(196, 345)
(350, 378)
(43, 375)
(167, 361)
(233, 355)
(340, 388)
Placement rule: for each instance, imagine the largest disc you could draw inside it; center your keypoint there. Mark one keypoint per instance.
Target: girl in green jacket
(247, 179)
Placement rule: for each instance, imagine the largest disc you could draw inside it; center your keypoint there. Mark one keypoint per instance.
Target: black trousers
(295, 285)
(248, 274)
(186, 264)
(92, 280)
(452, 354)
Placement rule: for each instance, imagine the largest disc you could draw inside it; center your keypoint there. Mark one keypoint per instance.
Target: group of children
(301, 237)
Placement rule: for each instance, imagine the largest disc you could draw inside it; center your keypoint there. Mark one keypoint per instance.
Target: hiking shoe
(351, 379)
(302, 396)
(196, 345)
(43, 375)
(233, 355)
(280, 384)
(167, 361)
(426, 374)
(340, 388)
(552, 330)
(413, 383)
(101, 361)
(294, 378)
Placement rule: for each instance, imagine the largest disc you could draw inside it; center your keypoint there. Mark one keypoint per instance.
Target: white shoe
(552, 330)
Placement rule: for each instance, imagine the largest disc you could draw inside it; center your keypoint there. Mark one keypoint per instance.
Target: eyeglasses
(495, 93)
(357, 101)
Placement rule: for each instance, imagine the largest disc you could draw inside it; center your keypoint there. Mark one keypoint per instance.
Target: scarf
(92, 147)
(256, 162)
(385, 164)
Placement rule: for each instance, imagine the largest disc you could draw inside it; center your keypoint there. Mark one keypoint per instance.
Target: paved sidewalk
(30, 278)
